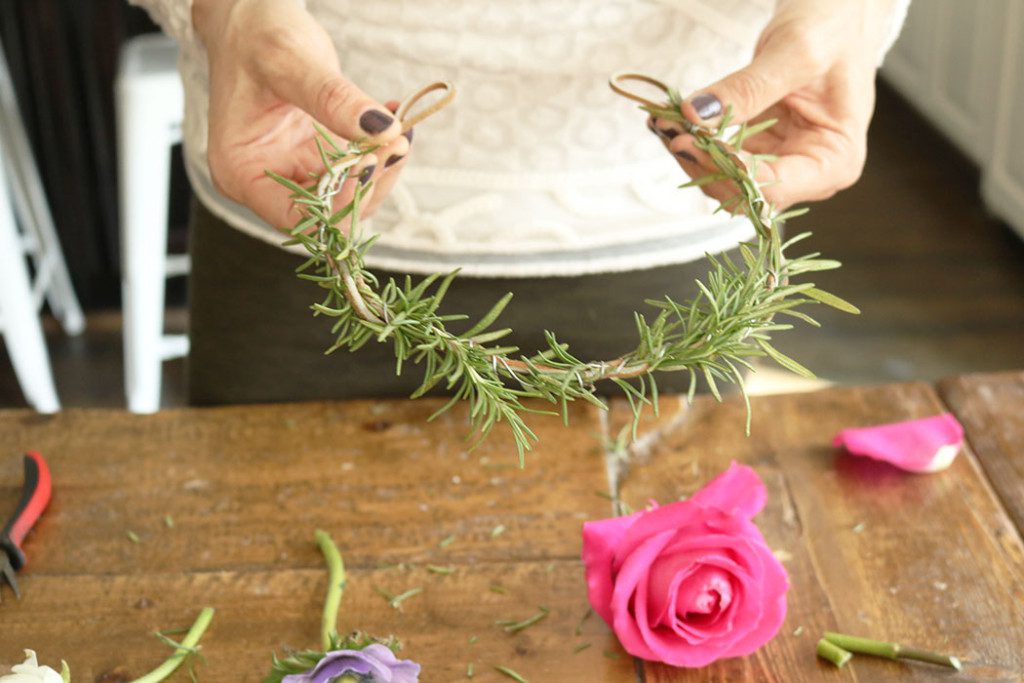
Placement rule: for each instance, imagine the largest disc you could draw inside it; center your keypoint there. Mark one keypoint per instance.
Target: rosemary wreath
(714, 335)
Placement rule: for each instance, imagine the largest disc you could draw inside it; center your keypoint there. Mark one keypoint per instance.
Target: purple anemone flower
(373, 664)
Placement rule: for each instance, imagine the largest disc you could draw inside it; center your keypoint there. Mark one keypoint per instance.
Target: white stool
(150, 105)
(20, 299)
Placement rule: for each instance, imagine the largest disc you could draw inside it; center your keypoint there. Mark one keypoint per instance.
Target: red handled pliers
(35, 495)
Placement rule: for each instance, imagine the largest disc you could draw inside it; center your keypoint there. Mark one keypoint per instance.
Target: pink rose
(691, 582)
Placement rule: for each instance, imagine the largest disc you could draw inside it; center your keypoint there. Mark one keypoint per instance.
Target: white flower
(31, 672)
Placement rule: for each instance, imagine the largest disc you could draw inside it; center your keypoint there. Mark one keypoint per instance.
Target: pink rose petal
(600, 540)
(926, 445)
(737, 491)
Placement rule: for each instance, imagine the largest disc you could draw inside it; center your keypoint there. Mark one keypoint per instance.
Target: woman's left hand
(813, 70)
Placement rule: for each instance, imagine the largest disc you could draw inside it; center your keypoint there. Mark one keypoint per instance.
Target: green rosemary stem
(335, 588)
(878, 648)
(188, 646)
(833, 653)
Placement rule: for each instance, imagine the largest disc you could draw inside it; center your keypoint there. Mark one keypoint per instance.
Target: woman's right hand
(273, 71)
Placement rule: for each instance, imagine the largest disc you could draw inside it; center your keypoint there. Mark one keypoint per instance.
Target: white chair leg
(22, 332)
(31, 206)
(144, 170)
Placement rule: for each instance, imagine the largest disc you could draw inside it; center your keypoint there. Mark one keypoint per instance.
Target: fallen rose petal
(926, 445)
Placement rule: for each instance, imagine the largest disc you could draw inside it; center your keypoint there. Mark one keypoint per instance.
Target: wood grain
(926, 560)
(936, 564)
(103, 624)
(991, 409)
(246, 486)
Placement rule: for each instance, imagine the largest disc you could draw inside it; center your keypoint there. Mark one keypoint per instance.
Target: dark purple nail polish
(367, 172)
(687, 156)
(706, 105)
(668, 133)
(408, 135)
(393, 159)
(374, 121)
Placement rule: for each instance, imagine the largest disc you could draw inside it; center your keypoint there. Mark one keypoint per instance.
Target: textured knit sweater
(537, 168)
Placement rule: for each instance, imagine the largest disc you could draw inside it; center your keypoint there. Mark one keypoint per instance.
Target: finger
(272, 202)
(384, 184)
(393, 106)
(814, 174)
(307, 75)
(694, 162)
(784, 64)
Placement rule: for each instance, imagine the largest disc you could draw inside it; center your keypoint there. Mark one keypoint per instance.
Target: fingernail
(364, 177)
(408, 134)
(687, 156)
(394, 159)
(707, 105)
(374, 121)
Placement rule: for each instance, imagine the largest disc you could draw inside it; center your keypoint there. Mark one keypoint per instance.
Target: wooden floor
(941, 283)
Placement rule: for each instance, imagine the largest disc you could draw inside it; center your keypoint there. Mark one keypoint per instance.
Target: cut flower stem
(187, 647)
(833, 653)
(335, 587)
(878, 648)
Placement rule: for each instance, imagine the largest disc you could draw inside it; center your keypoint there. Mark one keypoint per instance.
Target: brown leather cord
(403, 111)
(616, 83)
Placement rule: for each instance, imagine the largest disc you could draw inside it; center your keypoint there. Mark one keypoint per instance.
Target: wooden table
(930, 560)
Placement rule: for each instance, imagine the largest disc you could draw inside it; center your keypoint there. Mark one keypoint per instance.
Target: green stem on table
(880, 648)
(833, 653)
(187, 647)
(335, 588)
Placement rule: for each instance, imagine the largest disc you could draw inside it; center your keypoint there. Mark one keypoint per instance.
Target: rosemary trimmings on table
(730, 320)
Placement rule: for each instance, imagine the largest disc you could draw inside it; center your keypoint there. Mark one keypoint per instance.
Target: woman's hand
(273, 71)
(813, 70)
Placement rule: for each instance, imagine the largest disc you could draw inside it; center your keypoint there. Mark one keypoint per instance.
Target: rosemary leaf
(517, 626)
(510, 673)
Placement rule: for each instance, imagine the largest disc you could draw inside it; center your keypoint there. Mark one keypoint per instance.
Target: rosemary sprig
(713, 336)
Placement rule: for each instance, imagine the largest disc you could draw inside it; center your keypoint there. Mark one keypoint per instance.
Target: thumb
(311, 79)
(779, 67)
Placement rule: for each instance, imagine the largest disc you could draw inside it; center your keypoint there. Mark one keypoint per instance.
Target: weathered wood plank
(991, 409)
(103, 624)
(937, 563)
(928, 560)
(246, 486)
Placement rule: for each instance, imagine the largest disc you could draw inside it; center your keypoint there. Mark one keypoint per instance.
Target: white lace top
(537, 168)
